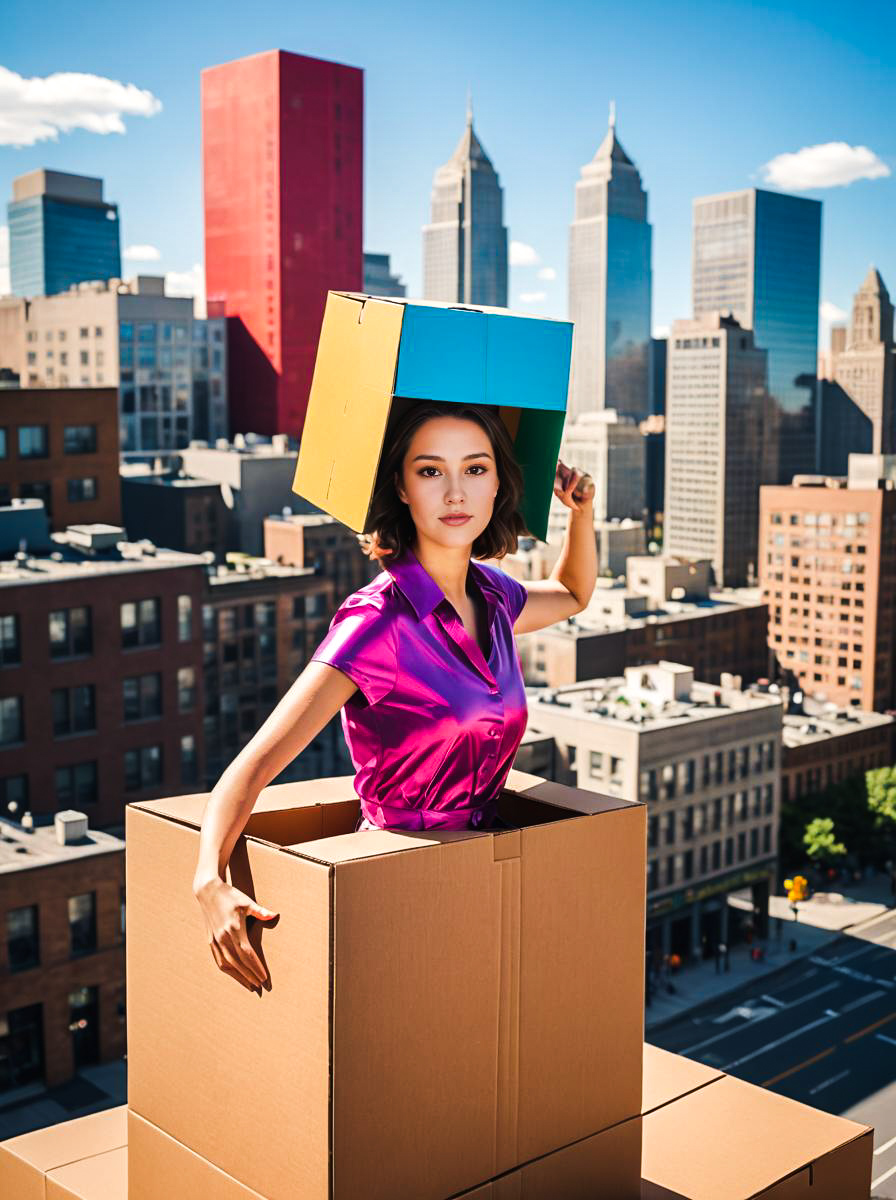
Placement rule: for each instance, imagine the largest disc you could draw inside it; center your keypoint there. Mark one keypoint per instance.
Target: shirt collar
(422, 591)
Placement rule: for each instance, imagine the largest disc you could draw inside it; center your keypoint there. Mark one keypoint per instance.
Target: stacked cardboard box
(706, 1136)
(469, 1000)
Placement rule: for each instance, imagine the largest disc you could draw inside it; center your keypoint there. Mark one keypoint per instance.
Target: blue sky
(707, 95)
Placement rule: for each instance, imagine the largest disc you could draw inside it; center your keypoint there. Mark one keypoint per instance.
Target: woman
(421, 660)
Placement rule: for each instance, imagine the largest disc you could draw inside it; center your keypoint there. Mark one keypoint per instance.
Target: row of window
(680, 867)
(78, 783)
(70, 630)
(699, 819)
(680, 778)
(848, 519)
(62, 334)
(33, 441)
(23, 933)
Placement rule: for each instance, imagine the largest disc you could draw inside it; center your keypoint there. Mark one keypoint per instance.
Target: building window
(76, 785)
(79, 439)
(189, 773)
(141, 623)
(82, 923)
(34, 441)
(653, 831)
(142, 695)
(12, 725)
(265, 614)
(10, 644)
(39, 490)
(14, 794)
(22, 938)
(184, 618)
(652, 874)
(716, 855)
(142, 768)
(74, 710)
(669, 781)
(71, 632)
(2, 442)
(688, 865)
(729, 851)
(741, 846)
(82, 489)
(766, 839)
(670, 828)
(84, 331)
(186, 689)
(754, 841)
(596, 768)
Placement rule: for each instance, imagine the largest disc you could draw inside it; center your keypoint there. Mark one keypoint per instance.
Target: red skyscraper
(282, 151)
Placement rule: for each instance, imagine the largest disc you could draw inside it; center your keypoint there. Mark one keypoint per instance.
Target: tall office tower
(282, 142)
(610, 285)
(609, 447)
(865, 368)
(378, 277)
(465, 243)
(61, 232)
(716, 404)
(828, 575)
(757, 255)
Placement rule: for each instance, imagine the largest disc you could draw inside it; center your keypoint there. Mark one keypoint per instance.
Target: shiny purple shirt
(434, 727)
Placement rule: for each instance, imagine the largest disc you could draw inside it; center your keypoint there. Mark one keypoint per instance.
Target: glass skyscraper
(757, 255)
(61, 232)
(610, 286)
(465, 243)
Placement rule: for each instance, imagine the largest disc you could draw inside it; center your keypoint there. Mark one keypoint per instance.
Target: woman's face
(449, 469)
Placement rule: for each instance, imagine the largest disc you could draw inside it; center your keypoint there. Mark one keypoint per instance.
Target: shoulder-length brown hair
(390, 528)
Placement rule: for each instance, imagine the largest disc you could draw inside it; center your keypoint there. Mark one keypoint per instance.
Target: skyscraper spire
(612, 114)
(469, 108)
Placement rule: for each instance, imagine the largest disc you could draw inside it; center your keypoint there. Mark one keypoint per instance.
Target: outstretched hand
(573, 487)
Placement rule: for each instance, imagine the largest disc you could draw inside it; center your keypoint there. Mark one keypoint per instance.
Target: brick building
(62, 956)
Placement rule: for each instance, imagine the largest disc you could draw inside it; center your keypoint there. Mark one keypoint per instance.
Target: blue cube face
(461, 356)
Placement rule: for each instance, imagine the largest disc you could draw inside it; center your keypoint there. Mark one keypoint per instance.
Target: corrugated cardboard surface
(668, 1076)
(160, 1168)
(738, 1141)
(456, 998)
(25, 1160)
(101, 1177)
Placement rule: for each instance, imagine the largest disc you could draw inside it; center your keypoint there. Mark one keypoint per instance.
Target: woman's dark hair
(390, 528)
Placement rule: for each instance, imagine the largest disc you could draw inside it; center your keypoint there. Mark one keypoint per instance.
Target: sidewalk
(91, 1090)
(821, 919)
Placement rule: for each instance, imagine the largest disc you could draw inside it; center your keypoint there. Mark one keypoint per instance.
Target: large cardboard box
(736, 1141)
(81, 1159)
(442, 1007)
(377, 356)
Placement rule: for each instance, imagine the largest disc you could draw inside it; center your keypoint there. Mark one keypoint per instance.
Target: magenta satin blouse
(433, 729)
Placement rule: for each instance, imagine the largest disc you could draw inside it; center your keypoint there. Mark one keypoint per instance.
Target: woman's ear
(400, 490)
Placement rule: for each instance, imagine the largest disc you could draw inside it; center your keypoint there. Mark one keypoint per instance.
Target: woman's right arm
(314, 699)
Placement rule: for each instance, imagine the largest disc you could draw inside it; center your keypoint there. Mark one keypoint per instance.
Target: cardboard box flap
(372, 843)
(558, 795)
(100, 1177)
(668, 1076)
(274, 800)
(735, 1118)
(69, 1141)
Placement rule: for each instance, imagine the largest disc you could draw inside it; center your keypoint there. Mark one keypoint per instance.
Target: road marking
(793, 1070)
(880, 1179)
(882, 1037)
(819, 1087)
(886, 1146)
(863, 1000)
(780, 1042)
(773, 1000)
(727, 1032)
(843, 958)
(868, 1028)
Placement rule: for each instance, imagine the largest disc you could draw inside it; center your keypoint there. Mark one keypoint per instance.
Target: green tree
(881, 792)
(821, 845)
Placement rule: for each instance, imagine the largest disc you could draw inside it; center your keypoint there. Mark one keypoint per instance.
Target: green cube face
(377, 355)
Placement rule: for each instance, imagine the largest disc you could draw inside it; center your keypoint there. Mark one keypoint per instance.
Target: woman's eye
(478, 467)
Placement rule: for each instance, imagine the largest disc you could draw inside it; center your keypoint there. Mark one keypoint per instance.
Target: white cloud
(532, 297)
(4, 260)
(661, 331)
(188, 283)
(38, 109)
(830, 164)
(522, 255)
(546, 273)
(141, 253)
(830, 313)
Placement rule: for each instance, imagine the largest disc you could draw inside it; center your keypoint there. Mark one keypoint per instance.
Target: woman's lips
(458, 520)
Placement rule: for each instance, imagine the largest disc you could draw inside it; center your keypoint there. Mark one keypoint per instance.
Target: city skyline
(415, 89)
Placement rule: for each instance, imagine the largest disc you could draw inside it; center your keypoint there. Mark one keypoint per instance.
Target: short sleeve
(361, 643)
(515, 593)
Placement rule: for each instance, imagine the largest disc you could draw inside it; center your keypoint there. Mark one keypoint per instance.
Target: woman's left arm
(569, 587)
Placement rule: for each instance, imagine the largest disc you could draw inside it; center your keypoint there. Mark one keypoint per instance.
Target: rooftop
(21, 848)
(91, 550)
(801, 729)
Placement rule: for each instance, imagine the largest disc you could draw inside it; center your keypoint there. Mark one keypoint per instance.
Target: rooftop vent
(71, 826)
(92, 538)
